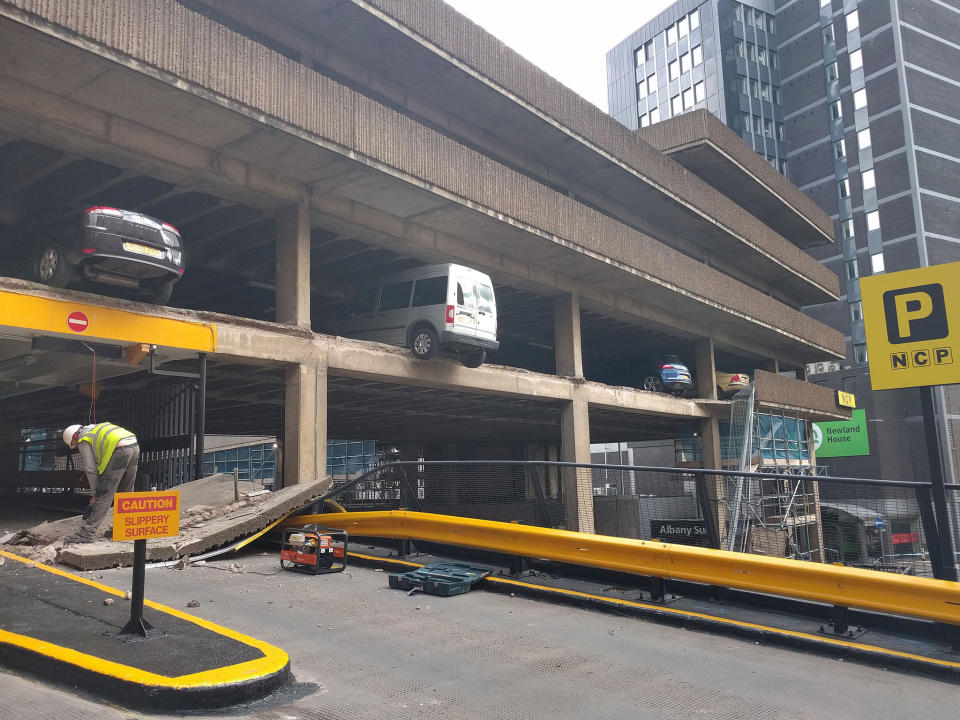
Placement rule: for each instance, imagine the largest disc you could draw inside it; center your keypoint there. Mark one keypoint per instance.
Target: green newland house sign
(843, 438)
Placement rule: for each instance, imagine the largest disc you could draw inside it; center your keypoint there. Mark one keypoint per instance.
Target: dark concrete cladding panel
(940, 215)
(883, 91)
(893, 175)
(886, 134)
(901, 256)
(801, 53)
(896, 218)
(835, 265)
(824, 194)
(934, 133)
(834, 314)
(874, 14)
(940, 251)
(939, 173)
(804, 89)
(932, 93)
(931, 54)
(806, 128)
(879, 51)
(827, 251)
(796, 18)
(930, 17)
(812, 164)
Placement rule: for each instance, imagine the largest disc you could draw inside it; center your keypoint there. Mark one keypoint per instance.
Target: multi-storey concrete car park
(302, 147)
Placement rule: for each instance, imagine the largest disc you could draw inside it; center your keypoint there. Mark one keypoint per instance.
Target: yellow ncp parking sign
(912, 323)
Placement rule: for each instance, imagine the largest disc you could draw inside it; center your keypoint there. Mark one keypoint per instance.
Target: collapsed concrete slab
(243, 519)
(202, 527)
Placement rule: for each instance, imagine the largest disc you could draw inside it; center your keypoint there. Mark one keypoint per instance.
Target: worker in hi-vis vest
(109, 456)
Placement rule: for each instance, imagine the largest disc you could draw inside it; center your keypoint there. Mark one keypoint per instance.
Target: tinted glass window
(362, 303)
(396, 296)
(485, 300)
(465, 292)
(432, 291)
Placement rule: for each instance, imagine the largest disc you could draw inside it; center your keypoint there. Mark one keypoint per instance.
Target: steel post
(947, 569)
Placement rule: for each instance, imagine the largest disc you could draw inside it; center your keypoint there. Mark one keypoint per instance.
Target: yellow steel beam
(850, 587)
(84, 321)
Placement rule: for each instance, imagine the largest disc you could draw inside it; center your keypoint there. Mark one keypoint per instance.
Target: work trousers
(119, 475)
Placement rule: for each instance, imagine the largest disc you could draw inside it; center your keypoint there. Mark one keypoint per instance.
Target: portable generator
(314, 549)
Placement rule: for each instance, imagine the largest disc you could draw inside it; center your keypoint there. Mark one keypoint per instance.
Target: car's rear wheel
(474, 359)
(158, 293)
(50, 265)
(653, 383)
(424, 342)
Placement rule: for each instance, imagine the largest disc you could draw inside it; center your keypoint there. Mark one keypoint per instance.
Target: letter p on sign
(915, 314)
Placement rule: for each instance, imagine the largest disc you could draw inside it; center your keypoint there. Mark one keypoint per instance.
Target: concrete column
(710, 440)
(305, 424)
(706, 369)
(772, 365)
(9, 453)
(566, 336)
(713, 459)
(293, 265)
(577, 482)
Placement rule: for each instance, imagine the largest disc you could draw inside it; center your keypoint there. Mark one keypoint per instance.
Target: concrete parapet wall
(456, 35)
(214, 62)
(702, 125)
(813, 402)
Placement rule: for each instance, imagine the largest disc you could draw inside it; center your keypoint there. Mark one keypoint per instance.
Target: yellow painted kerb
(274, 659)
(94, 322)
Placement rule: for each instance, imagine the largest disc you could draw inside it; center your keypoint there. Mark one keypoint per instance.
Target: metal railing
(882, 524)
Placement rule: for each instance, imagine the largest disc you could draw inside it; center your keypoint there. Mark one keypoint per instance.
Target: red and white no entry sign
(77, 321)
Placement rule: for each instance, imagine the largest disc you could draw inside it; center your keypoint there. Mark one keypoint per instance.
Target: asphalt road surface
(362, 650)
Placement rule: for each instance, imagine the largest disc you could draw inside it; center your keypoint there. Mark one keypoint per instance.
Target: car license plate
(144, 250)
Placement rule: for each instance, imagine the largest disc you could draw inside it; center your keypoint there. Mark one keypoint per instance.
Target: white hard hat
(70, 432)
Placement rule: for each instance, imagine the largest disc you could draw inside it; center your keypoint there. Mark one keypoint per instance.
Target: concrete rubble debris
(204, 525)
(108, 601)
(193, 604)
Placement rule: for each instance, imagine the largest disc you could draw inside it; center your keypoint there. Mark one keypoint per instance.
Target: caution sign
(912, 323)
(143, 515)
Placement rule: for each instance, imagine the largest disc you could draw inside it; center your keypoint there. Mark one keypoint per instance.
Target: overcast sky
(567, 38)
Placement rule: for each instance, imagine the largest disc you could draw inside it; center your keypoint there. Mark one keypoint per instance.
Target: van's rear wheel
(424, 342)
(474, 359)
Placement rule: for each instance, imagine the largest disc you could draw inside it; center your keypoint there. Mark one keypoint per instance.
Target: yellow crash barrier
(84, 321)
(834, 584)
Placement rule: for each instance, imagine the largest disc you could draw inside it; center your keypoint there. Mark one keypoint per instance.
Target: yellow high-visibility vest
(103, 438)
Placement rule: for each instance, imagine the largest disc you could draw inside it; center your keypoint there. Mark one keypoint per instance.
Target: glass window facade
(347, 458)
(252, 462)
